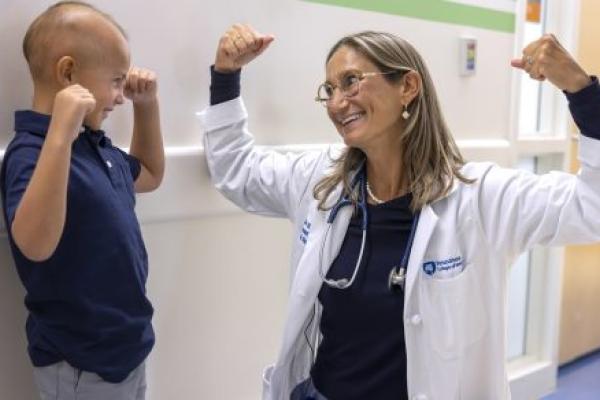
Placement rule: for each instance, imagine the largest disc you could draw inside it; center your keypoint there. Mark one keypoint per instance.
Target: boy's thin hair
(45, 28)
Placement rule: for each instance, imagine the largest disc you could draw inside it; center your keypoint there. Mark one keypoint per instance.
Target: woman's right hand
(238, 46)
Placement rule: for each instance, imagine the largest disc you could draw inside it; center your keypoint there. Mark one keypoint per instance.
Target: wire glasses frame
(349, 85)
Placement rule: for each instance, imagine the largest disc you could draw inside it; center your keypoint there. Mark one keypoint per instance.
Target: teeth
(351, 118)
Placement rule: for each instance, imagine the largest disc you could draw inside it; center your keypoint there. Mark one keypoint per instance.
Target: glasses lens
(349, 85)
(325, 92)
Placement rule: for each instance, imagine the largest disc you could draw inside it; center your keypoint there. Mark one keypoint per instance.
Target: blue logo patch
(429, 267)
(444, 268)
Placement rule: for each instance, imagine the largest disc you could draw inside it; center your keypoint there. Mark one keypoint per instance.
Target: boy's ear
(64, 71)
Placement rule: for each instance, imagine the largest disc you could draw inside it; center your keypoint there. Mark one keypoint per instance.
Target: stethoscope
(397, 275)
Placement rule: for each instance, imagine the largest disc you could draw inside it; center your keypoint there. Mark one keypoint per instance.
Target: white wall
(178, 39)
(218, 277)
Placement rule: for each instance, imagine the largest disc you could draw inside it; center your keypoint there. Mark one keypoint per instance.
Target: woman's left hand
(546, 58)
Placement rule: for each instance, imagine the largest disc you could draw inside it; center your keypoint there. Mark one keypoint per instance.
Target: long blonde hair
(431, 158)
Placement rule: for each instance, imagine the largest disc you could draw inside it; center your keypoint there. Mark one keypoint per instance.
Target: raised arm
(258, 180)
(146, 141)
(519, 210)
(39, 219)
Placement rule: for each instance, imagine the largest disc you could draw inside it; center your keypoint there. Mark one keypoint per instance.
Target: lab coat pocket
(453, 312)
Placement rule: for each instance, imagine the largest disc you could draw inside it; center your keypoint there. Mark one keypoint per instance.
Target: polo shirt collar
(38, 123)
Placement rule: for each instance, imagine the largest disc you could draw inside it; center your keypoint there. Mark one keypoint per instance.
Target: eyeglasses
(349, 85)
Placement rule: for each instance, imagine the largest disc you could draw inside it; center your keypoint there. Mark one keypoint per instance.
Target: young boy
(68, 201)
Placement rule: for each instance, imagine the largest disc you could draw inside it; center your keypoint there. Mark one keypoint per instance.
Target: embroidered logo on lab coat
(429, 267)
(444, 268)
(305, 231)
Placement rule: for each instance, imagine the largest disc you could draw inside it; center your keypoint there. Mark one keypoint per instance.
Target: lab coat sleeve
(518, 209)
(258, 180)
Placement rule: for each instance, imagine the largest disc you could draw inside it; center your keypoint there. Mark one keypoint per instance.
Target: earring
(405, 113)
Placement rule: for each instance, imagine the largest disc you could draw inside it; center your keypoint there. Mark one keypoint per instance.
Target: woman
(400, 266)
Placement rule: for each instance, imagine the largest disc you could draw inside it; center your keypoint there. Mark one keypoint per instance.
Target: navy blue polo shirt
(87, 303)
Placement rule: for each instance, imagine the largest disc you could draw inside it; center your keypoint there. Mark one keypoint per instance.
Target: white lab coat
(454, 327)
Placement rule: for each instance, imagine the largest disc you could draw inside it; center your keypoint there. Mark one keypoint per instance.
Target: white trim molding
(187, 193)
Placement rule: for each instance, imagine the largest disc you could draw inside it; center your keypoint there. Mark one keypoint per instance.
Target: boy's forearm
(146, 142)
(40, 217)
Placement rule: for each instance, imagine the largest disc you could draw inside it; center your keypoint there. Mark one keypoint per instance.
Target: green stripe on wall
(435, 10)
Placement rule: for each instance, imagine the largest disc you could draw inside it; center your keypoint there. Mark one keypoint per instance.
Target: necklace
(372, 196)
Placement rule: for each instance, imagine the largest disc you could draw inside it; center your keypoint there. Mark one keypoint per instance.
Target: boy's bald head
(70, 28)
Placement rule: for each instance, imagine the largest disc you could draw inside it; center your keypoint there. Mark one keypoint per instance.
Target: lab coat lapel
(307, 282)
(329, 238)
(425, 227)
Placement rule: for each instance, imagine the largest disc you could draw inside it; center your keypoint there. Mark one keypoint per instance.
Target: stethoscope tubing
(344, 283)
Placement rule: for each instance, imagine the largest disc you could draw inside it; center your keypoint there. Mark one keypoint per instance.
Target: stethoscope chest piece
(396, 279)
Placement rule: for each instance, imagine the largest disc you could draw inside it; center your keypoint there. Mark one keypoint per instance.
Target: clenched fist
(238, 46)
(71, 106)
(141, 85)
(546, 58)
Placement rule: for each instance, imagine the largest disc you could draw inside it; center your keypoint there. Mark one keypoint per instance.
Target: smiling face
(86, 47)
(104, 72)
(106, 82)
(372, 117)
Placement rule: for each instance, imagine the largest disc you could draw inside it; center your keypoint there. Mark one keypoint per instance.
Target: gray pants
(63, 382)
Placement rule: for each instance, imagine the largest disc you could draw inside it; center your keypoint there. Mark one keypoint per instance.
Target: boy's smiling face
(86, 48)
(106, 82)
